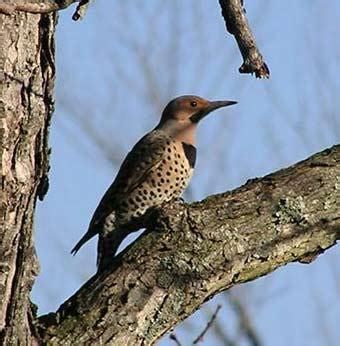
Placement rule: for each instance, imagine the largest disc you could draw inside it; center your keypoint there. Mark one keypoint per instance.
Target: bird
(156, 170)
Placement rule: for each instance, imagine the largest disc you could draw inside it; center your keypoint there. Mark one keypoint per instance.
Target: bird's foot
(179, 200)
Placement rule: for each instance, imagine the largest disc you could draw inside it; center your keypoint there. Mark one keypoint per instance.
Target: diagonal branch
(237, 25)
(192, 252)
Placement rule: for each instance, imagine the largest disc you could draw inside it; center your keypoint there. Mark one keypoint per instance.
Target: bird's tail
(108, 245)
(87, 236)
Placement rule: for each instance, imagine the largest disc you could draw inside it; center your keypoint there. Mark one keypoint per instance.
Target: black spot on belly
(190, 153)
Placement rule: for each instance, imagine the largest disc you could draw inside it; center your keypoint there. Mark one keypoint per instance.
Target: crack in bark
(47, 62)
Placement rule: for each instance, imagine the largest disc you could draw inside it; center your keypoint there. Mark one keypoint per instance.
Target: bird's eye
(193, 104)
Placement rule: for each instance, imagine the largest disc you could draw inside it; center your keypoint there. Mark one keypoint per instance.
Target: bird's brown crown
(181, 115)
(183, 107)
(191, 107)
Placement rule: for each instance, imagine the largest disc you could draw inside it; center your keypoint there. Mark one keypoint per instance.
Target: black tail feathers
(87, 236)
(107, 247)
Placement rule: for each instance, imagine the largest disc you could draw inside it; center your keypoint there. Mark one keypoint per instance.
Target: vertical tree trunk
(26, 104)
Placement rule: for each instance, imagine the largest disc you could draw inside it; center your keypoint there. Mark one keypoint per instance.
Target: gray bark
(26, 105)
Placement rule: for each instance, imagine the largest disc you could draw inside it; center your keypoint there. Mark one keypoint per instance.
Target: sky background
(117, 69)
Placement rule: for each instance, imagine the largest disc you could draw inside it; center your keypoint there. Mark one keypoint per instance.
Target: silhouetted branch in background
(204, 331)
(208, 326)
(173, 337)
(246, 326)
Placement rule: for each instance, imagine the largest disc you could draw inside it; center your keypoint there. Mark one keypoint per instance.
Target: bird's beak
(212, 105)
(218, 104)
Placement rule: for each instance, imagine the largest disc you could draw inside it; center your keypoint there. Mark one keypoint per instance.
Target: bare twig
(222, 333)
(36, 6)
(245, 323)
(208, 326)
(173, 337)
(237, 25)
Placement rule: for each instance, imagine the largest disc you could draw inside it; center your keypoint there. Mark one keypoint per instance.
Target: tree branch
(192, 252)
(46, 6)
(237, 25)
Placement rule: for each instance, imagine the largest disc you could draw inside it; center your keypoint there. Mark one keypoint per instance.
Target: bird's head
(182, 114)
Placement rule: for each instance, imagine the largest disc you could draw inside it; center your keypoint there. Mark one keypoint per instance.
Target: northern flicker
(157, 169)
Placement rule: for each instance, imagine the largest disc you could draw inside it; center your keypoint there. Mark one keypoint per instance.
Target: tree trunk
(26, 104)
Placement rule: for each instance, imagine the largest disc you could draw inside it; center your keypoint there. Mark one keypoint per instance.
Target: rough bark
(26, 104)
(43, 6)
(191, 252)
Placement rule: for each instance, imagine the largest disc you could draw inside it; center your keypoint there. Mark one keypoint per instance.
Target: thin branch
(245, 324)
(208, 326)
(237, 25)
(221, 333)
(173, 337)
(46, 6)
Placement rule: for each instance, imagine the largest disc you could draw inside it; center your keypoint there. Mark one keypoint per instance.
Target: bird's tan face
(187, 106)
(181, 116)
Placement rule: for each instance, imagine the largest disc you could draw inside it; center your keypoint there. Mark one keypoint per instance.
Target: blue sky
(116, 70)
